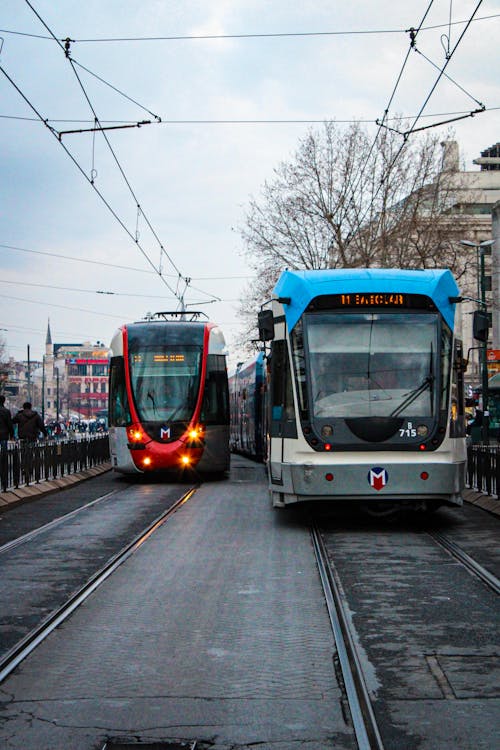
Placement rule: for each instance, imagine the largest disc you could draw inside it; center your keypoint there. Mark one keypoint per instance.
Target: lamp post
(43, 389)
(481, 251)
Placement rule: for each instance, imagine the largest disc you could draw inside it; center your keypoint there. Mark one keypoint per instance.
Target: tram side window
(281, 402)
(119, 413)
(215, 408)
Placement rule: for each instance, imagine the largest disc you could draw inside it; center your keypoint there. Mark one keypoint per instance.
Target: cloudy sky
(236, 84)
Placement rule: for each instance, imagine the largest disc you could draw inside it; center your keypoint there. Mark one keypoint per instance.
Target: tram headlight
(185, 460)
(196, 433)
(327, 430)
(422, 430)
(135, 433)
(146, 461)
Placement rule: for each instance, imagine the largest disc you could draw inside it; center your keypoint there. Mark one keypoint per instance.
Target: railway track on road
(467, 561)
(55, 522)
(362, 714)
(11, 659)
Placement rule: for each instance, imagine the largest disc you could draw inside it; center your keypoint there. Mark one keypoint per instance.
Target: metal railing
(28, 463)
(483, 468)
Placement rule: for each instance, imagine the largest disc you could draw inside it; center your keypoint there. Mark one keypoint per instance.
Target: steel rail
(364, 722)
(25, 646)
(468, 562)
(51, 524)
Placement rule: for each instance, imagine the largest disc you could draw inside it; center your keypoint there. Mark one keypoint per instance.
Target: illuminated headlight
(185, 460)
(135, 434)
(422, 430)
(147, 461)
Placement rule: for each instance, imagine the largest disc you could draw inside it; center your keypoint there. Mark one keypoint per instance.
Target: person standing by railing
(30, 423)
(6, 432)
(29, 426)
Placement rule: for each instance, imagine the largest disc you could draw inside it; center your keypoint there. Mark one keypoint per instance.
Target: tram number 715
(408, 431)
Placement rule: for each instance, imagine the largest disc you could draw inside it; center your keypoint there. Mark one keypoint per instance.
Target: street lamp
(481, 301)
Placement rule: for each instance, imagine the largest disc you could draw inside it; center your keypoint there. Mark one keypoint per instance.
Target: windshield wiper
(427, 383)
(150, 395)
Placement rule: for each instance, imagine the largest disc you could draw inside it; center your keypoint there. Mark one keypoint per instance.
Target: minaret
(49, 349)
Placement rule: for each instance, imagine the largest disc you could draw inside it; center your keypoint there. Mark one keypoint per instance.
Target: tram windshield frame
(165, 374)
(364, 364)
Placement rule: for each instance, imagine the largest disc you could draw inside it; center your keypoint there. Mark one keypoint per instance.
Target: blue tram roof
(303, 286)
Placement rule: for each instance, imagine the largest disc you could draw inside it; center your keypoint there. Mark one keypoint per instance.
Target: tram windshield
(372, 364)
(165, 382)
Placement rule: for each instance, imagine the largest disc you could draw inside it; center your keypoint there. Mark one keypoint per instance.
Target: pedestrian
(6, 426)
(29, 423)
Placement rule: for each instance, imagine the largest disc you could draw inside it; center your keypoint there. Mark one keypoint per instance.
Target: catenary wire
(271, 35)
(140, 211)
(115, 265)
(268, 121)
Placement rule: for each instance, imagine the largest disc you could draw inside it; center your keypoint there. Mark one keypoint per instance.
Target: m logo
(377, 478)
(164, 433)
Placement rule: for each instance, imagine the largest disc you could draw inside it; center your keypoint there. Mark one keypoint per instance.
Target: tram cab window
(215, 408)
(281, 402)
(119, 413)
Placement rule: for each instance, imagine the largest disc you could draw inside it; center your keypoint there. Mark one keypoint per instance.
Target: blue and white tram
(168, 396)
(366, 388)
(247, 389)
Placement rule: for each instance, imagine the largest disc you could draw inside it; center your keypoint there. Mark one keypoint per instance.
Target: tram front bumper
(391, 481)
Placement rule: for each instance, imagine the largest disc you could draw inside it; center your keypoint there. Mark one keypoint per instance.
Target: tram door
(281, 407)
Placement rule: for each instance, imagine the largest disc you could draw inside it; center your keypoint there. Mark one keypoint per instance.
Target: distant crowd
(27, 425)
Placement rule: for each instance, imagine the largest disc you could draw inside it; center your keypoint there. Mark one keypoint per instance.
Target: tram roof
(301, 287)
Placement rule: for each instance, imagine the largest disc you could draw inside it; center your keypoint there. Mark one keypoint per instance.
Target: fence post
(4, 467)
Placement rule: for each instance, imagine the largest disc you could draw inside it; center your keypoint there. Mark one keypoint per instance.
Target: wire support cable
(257, 35)
(233, 121)
(66, 50)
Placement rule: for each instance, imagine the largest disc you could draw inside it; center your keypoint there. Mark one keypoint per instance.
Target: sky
(98, 231)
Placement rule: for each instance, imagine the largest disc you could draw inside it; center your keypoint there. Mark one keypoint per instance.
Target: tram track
(362, 714)
(467, 561)
(12, 658)
(30, 535)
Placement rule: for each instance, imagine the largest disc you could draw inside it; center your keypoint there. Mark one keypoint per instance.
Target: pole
(43, 389)
(29, 374)
(57, 394)
(484, 362)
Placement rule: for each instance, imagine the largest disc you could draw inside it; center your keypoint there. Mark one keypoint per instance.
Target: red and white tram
(168, 395)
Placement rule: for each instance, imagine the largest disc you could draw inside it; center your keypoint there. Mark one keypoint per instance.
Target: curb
(46, 486)
(490, 503)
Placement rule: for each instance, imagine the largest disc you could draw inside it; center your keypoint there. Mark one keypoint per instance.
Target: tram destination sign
(379, 300)
(372, 299)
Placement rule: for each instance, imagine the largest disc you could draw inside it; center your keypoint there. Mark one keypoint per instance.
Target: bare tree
(350, 200)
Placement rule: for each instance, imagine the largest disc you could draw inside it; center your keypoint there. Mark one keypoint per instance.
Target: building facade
(74, 380)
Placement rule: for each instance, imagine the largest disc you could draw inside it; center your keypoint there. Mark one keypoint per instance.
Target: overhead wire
(412, 129)
(413, 35)
(59, 256)
(257, 35)
(65, 49)
(140, 211)
(261, 121)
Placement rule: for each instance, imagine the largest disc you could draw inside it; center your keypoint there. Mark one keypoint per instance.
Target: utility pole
(57, 394)
(482, 249)
(43, 389)
(484, 354)
(28, 374)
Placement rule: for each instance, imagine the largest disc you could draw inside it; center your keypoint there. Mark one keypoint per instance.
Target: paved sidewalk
(491, 503)
(39, 489)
